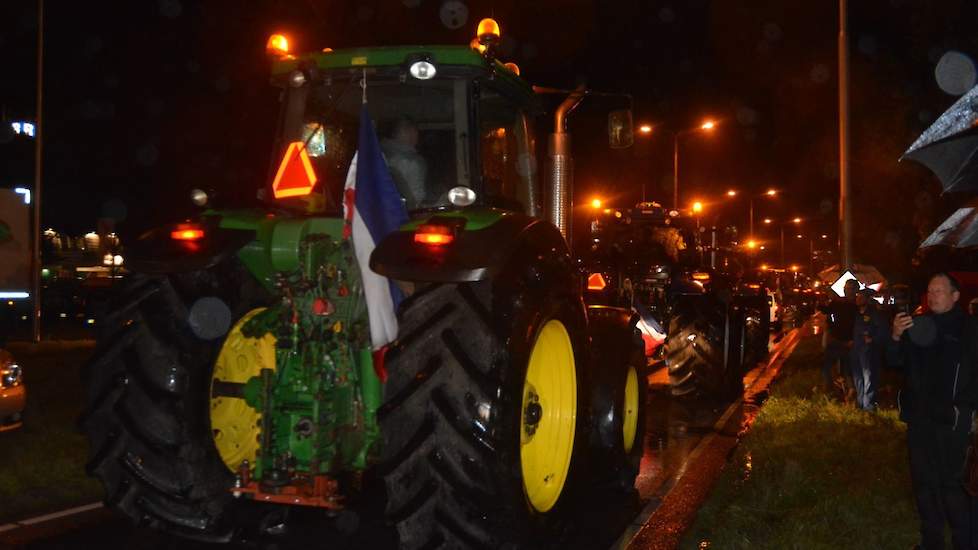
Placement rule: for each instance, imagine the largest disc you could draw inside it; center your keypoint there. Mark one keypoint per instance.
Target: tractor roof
(398, 56)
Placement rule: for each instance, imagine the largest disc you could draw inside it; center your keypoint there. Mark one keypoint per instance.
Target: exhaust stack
(561, 165)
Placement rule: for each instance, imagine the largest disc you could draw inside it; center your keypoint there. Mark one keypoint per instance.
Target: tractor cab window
(422, 128)
(506, 155)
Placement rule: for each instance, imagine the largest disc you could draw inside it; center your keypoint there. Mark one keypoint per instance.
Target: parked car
(13, 393)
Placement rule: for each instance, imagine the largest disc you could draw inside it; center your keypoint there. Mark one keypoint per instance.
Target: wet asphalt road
(674, 428)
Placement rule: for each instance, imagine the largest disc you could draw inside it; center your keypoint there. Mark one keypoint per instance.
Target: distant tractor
(699, 311)
(241, 363)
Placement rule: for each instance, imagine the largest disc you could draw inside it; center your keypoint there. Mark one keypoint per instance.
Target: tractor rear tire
(147, 408)
(694, 348)
(455, 417)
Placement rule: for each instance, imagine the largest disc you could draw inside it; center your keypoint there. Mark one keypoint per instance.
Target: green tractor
(240, 367)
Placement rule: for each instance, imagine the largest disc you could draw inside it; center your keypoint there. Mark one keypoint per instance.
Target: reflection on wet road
(674, 431)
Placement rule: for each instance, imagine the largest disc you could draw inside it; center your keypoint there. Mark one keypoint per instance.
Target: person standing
(840, 314)
(869, 333)
(937, 352)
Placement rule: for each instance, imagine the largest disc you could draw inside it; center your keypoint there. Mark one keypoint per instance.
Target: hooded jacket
(940, 378)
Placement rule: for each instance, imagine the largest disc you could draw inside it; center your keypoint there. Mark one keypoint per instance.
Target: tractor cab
(454, 127)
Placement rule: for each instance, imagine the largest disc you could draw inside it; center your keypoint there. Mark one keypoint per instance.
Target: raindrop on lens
(955, 73)
(210, 318)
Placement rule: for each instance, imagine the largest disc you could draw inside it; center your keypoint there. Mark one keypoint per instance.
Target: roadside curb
(661, 524)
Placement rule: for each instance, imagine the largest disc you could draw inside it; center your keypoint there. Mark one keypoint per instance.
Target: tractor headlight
(423, 70)
(10, 375)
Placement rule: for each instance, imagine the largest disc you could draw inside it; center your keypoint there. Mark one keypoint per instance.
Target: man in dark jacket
(940, 365)
(840, 315)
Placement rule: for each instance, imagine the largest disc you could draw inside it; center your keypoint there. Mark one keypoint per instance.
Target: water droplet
(453, 14)
(209, 318)
(955, 73)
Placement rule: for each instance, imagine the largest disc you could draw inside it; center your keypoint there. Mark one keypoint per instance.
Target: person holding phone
(938, 352)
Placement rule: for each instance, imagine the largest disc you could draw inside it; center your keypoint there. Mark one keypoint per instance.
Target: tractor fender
(614, 340)
(473, 255)
(156, 252)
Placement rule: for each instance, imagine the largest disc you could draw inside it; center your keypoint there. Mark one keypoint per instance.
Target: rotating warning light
(295, 176)
(277, 46)
(488, 31)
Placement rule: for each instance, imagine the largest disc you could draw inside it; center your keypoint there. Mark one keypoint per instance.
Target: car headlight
(10, 375)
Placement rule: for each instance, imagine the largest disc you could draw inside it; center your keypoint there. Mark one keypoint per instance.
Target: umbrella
(949, 148)
(867, 274)
(960, 230)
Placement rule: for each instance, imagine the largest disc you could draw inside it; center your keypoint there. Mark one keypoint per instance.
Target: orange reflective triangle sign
(295, 176)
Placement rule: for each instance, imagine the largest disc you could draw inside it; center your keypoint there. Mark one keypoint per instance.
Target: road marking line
(787, 345)
(61, 514)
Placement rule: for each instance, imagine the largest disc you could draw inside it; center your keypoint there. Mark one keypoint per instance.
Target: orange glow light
(732, 193)
(434, 235)
(513, 68)
(697, 207)
(767, 220)
(645, 128)
(596, 282)
(751, 244)
(277, 45)
(708, 125)
(477, 46)
(771, 192)
(701, 276)
(488, 30)
(295, 176)
(595, 203)
(187, 234)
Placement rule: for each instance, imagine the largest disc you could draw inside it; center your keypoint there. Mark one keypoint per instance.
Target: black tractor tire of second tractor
(147, 404)
(694, 350)
(451, 418)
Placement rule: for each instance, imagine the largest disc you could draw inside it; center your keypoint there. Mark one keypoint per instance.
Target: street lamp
(595, 203)
(645, 129)
(707, 126)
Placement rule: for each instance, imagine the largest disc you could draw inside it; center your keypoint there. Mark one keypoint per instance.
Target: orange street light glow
(595, 203)
(645, 128)
(697, 207)
(797, 220)
(732, 193)
(767, 220)
(794, 268)
(771, 192)
(763, 267)
(708, 125)
(752, 244)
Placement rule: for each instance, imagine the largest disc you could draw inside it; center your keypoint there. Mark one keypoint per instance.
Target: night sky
(146, 100)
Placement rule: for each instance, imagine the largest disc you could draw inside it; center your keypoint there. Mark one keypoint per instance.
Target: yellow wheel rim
(549, 416)
(235, 425)
(630, 409)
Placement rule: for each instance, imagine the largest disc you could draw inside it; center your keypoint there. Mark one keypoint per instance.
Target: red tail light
(187, 233)
(434, 235)
(596, 282)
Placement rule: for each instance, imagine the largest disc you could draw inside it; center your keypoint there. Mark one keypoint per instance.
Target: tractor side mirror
(620, 131)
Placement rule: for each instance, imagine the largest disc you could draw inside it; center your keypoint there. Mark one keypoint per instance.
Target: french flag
(373, 209)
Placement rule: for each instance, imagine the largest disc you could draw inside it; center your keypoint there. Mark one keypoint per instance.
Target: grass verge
(812, 473)
(42, 464)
